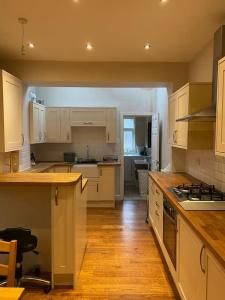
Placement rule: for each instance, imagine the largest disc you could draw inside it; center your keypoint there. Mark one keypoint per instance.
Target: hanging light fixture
(23, 22)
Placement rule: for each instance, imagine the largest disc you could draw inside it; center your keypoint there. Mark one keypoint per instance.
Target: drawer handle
(56, 196)
(157, 214)
(201, 253)
(157, 204)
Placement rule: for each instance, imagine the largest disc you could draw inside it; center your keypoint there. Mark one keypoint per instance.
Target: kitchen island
(199, 266)
(53, 206)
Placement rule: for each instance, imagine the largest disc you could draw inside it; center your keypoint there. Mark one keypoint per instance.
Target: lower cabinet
(156, 209)
(191, 266)
(101, 190)
(215, 278)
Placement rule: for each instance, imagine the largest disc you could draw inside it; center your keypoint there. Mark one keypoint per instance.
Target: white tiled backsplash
(94, 137)
(204, 165)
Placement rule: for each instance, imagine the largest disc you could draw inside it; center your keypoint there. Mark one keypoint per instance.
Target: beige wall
(98, 74)
(200, 68)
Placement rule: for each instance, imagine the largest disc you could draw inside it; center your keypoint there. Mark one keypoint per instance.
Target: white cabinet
(189, 99)
(88, 117)
(107, 184)
(220, 114)
(215, 278)
(65, 127)
(93, 190)
(53, 124)
(37, 123)
(11, 95)
(156, 209)
(111, 123)
(191, 266)
(58, 125)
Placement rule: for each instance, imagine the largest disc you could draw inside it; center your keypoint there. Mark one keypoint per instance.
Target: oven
(170, 230)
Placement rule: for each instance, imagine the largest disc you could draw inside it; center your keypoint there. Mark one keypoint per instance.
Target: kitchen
(112, 239)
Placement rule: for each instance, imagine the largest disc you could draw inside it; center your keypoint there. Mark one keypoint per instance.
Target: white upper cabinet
(88, 117)
(190, 135)
(11, 100)
(37, 123)
(65, 127)
(220, 115)
(58, 125)
(111, 132)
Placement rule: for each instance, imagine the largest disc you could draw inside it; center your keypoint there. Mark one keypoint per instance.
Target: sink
(87, 170)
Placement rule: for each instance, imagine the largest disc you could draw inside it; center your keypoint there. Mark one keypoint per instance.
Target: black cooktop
(197, 192)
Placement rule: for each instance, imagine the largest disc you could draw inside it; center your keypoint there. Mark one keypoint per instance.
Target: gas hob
(199, 197)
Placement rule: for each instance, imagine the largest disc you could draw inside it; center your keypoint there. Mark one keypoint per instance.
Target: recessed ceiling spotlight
(147, 46)
(76, 1)
(89, 46)
(31, 45)
(163, 1)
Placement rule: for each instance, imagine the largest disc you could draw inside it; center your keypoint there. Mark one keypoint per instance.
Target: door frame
(127, 114)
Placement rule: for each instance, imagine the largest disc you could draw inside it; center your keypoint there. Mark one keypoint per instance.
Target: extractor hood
(208, 114)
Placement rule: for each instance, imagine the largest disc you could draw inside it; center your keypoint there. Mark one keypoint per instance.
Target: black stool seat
(26, 242)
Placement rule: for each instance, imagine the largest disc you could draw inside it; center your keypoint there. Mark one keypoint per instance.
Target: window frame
(133, 131)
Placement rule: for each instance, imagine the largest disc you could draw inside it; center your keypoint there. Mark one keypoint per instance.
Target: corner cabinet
(220, 114)
(37, 123)
(190, 135)
(11, 95)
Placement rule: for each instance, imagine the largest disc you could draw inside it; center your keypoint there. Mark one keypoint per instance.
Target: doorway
(137, 154)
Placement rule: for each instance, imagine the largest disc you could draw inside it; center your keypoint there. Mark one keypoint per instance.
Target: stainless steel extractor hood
(208, 114)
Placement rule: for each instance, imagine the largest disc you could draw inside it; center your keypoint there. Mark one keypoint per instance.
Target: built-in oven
(170, 229)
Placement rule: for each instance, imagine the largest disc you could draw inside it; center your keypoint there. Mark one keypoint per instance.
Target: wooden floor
(122, 260)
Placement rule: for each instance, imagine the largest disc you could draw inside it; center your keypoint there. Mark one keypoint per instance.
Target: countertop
(39, 178)
(209, 225)
(45, 166)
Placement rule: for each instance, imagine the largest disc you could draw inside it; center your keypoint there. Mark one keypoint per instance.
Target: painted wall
(98, 73)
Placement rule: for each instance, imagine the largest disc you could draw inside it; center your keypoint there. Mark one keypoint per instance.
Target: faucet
(87, 152)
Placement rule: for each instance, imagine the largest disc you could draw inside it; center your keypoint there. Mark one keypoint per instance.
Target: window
(129, 136)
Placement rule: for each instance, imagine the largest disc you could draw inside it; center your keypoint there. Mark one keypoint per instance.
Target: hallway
(121, 261)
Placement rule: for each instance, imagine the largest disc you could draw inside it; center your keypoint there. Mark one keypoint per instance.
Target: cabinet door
(34, 123)
(65, 128)
(151, 202)
(111, 125)
(53, 125)
(93, 190)
(191, 276)
(12, 113)
(220, 123)
(88, 117)
(172, 120)
(107, 183)
(42, 124)
(182, 110)
(215, 279)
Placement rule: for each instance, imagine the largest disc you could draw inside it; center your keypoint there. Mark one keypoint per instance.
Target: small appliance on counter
(69, 157)
(32, 159)
(199, 196)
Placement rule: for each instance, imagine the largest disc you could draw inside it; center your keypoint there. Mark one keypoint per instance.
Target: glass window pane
(128, 142)
(129, 123)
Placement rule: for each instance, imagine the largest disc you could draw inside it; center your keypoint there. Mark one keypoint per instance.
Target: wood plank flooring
(122, 260)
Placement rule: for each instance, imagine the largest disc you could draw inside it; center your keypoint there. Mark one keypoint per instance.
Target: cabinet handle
(157, 204)
(157, 192)
(175, 134)
(157, 214)
(97, 187)
(87, 123)
(56, 196)
(201, 253)
(22, 139)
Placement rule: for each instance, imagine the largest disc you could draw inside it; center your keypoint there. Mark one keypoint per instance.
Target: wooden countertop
(11, 293)
(45, 166)
(209, 225)
(39, 178)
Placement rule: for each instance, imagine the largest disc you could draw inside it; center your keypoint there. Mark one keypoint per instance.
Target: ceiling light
(163, 1)
(76, 1)
(30, 45)
(89, 46)
(147, 46)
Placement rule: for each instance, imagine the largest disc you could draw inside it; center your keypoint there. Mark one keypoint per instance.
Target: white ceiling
(118, 29)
